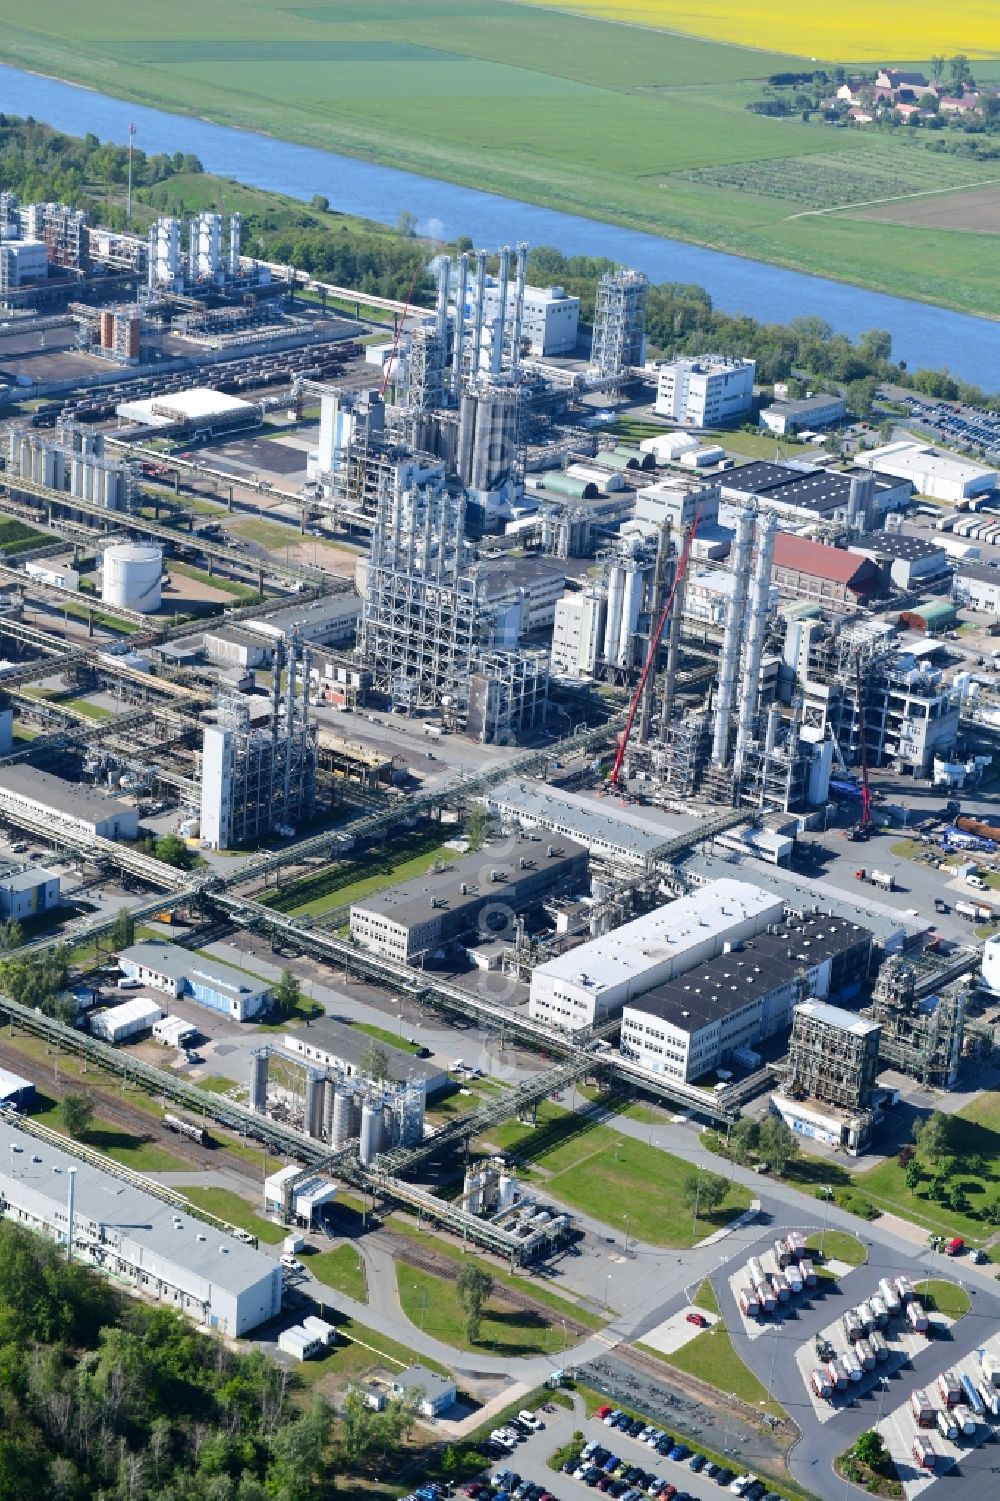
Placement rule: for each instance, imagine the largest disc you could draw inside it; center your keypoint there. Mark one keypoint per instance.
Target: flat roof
(349, 1043)
(438, 891)
(730, 981)
(806, 404)
(980, 571)
(667, 932)
(11, 1083)
(75, 798)
(200, 402)
(836, 1016)
(499, 575)
(179, 963)
(13, 878)
(805, 486)
(896, 545)
(591, 822)
(333, 608)
(925, 458)
(416, 1376)
(167, 1236)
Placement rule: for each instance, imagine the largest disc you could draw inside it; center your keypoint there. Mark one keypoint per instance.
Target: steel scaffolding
(619, 341)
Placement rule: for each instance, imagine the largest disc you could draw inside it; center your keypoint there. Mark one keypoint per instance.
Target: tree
(475, 827)
(374, 1060)
(914, 1176)
(172, 850)
(906, 1154)
(474, 1287)
(861, 397)
(934, 1136)
(320, 202)
(11, 934)
(869, 1448)
(956, 1200)
(775, 1144)
(76, 1113)
(122, 931)
(937, 68)
(287, 994)
(959, 70)
(703, 1192)
(406, 224)
(743, 1139)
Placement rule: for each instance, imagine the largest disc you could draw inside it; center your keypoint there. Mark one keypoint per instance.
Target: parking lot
(899, 1430)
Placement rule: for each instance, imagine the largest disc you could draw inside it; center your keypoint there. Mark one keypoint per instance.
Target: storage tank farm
(330, 1104)
(131, 576)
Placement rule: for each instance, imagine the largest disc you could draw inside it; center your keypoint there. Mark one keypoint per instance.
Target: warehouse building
(620, 837)
(327, 622)
(908, 562)
(69, 804)
(135, 1237)
(475, 899)
(931, 471)
(705, 392)
(977, 587)
(700, 1019)
(812, 412)
(340, 1048)
(230, 647)
(25, 891)
(597, 979)
(828, 575)
(198, 410)
(197, 977)
(800, 493)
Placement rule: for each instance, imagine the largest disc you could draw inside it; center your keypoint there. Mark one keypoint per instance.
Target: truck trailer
(947, 1425)
(923, 1409)
(808, 1273)
(821, 1383)
(916, 1317)
(890, 1296)
(966, 1420)
(923, 1453)
(949, 1388)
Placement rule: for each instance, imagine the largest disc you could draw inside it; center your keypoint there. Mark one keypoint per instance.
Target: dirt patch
(973, 211)
(185, 591)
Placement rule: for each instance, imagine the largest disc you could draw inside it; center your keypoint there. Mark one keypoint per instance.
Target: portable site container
(837, 1372)
(878, 1343)
(793, 1277)
(990, 1398)
(923, 1409)
(879, 1311)
(947, 1426)
(971, 1395)
(852, 1326)
(127, 1020)
(990, 1367)
(904, 1289)
(749, 1303)
(889, 1295)
(865, 1354)
(949, 1387)
(782, 1254)
(966, 1420)
(808, 1273)
(916, 1317)
(780, 1287)
(796, 1243)
(821, 1384)
(852, 1365)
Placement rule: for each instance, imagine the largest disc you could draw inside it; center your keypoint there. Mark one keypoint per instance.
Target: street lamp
(626, 1237)
(607, 1293)
(827, 1192)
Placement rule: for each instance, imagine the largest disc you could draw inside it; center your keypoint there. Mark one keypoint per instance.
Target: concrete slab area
(677, 1331)
(905, 1348)
(898, 1428)
(739, 1279)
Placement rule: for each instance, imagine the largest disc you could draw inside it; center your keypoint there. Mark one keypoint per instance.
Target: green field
(345, 881)
(429, 1302)
(236, 1211)
(941, 1296)
(623, 123)
(838, 1245)
(343, 1270)
(624, 1183)
(104, 1136)
(710, 1357)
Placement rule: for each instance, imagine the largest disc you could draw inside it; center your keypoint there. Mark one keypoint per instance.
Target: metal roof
(824, 562)
(836, 1016)
(896, 545)
(590, 822)
(74, 798)
(348, 1045)
(178, 963)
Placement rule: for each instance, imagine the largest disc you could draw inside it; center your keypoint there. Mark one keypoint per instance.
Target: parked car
(697, 1463)
(699, 1319)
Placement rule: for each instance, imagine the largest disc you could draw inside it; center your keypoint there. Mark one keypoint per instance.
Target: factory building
(341, 1048)
(597, 979)
(307, 1197)
(931, 471)
(474, 899)
(800, 494)
(704, 1017)
(22, 262)
(911, 713)
(977, 587)
(55, 575)
(828, 1092)
(15, 1091)
(620, 837)
(524, 593)
(906, 561)
(578, 632)
(198, 410)
(197, 977)
(259, 779)
(229, 646)
(324, 622)
(549, 322)
(135, 1237)
(69, 804)
(788, 417)
(828, 575)
(26, 891)
(705, 392)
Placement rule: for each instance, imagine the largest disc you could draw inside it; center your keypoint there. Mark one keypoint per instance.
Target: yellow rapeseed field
(852, 31)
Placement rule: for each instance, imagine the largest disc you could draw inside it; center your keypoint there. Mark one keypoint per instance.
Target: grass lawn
(270, 534)
(104, 1136)
(705, 1298)
(16, 536)
(759, 445)
(710, 1357)
(343, 1270)
(838, 1245)
(941, 1296)
(383, 1034)
(563, 1306)
(430, 1304)
(359, 1350)
(87, 709)
(346, 881)
(215, 1083)
(236, 1211)
(600, 1172)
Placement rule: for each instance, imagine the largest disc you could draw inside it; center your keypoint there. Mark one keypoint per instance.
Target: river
(922, 335)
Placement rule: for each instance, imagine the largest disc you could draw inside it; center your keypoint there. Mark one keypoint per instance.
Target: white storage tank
(372, 1131)
(131, 577)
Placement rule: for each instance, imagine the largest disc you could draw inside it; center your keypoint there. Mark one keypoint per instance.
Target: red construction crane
(399, 330)
(615, 777)
(864, 827)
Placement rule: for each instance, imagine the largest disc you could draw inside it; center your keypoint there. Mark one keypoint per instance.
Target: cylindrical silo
(315, 1084)
(631, 607)
(371, 1130)
(507, 1189)
(613, 624)
(345, 1122)
(132, 573)
(258, 1080)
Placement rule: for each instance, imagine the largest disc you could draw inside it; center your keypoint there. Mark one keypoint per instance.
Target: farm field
(974, 210)
(643, 128)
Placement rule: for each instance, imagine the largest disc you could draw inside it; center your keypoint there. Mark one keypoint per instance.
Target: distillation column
(754, 649)
(456, 353)
(729, 658)
(661, 583)
(674, 646)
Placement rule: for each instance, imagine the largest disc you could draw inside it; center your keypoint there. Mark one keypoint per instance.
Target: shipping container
(837, 1372)
(890, 1296)
(947, 1426)
(878, 1343)
(865, 1354)
(916, 1317)
(904, 1289)
(966, 1420)
(808, 1273)
(923, 1409)
(949, 1388)
(821, 1384)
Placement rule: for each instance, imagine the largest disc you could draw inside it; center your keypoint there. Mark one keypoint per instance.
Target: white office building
(551, 318)
(932, 471)
(705, 392)
(578, 633)
(136, 1238)
(22, 262)
(596, 980)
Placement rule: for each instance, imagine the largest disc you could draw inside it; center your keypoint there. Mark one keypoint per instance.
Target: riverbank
(647, 132)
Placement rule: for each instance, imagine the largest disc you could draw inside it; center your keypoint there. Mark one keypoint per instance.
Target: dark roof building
(802, 492)
(906, 561)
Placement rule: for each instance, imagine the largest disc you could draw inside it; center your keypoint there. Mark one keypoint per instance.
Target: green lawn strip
(104, 1136)
(711, 1358)
(939, 1295)
(235, 1210)
(430, 1304)
(16, 536)
(838, 1245)
(600, 1172)
(705, 1298)
(390, 1350)
(243, 592)
(215, 1083)
(343, 1270)
(532, 1286)
(99, 617)
(760, 445)
(382, 1034)
(346, 881)
(89, 710)
(270, 534)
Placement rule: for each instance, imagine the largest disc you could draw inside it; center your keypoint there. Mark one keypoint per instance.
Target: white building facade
(705, 392)
(578, 633)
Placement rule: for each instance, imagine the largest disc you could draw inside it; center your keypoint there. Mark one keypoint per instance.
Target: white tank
(507, 1191)
(346, 1117)
(132, 573)
(613, 626)
(371, 1131)
(631, 606)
